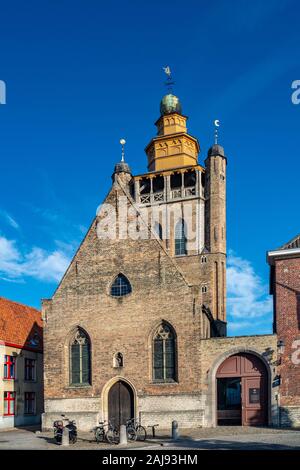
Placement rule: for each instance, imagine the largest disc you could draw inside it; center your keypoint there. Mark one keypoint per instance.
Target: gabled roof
(294, 243)
(20, 325)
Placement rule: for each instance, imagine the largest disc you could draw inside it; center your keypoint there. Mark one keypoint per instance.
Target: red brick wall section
(287, 308)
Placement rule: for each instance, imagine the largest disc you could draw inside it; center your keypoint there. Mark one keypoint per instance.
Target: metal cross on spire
(169, 82)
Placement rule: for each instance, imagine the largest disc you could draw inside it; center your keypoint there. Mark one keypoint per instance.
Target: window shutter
(86, 363)
(158, 360)
(75, 363)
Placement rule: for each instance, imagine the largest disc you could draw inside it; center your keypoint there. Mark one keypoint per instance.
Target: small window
(180, 239)
(9, 367)
(120, 287)
(29, 403)
(158, 230)
(203, 259)
(9, 403)
(29, 369)
(204, 289)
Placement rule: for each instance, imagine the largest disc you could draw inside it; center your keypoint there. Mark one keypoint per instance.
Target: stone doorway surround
(211, 398)
(105, 393)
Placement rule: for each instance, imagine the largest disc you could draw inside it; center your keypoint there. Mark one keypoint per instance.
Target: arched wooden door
(120, 403)
(242, 391)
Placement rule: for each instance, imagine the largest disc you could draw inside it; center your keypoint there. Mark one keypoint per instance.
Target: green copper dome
(170, 104)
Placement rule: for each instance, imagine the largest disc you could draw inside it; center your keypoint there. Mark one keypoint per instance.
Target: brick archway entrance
(242, 391)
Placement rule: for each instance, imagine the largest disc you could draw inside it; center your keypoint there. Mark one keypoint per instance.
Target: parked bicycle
(106, 432)
(135, 431)
(59, 428)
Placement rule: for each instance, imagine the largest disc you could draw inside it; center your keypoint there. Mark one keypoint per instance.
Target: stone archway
(211, 398)
(115, 394)
(242, 391)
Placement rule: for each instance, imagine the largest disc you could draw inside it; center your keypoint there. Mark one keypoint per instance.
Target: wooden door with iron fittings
(120, 403)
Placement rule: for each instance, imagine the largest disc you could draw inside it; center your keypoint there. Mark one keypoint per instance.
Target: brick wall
(287, 314)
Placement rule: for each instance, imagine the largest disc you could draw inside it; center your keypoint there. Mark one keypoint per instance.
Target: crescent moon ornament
(217, 123)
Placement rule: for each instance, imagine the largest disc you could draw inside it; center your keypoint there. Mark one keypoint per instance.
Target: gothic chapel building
(137, 326)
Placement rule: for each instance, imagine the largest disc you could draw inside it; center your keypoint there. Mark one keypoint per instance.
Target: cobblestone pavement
(209, 438)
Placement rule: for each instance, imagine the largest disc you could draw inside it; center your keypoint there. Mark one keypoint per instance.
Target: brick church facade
(137, 326)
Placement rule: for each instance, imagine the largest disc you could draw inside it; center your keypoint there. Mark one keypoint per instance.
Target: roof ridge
(19, 303)
(290, 242)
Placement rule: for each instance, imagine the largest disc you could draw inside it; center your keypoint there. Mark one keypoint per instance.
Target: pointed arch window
(180, 238)
(80, 359)
(164, 354)
(158, 230)
(120, 287)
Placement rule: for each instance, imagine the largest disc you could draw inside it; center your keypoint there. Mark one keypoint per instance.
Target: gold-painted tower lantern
(173, 147)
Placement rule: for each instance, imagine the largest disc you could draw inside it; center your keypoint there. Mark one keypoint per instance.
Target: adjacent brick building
(137, 326)
(285, 288)
(21, 365)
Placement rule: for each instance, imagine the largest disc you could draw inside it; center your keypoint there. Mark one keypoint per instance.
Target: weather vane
(169, 83)
(123, 142)
(217, 124)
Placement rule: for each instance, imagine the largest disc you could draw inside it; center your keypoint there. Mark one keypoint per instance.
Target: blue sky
(82, 74)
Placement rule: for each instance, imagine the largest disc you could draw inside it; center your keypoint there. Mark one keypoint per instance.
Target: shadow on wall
(289, 418)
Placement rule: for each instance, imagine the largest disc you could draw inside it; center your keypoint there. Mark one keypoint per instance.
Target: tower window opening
(203, 259)
(204, 289)
(180, 238)
(158, 184)
(132, 191)
(176, 181)
(158, 230)
(189, 179)
(145, 186)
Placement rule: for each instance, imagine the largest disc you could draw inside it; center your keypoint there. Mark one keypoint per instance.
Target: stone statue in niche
(118, 360)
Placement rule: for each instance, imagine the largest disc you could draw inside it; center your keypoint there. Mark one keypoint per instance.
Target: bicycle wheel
(99, 435)
(141, 433)
(131, 433)
(58, 437)
(113, 436)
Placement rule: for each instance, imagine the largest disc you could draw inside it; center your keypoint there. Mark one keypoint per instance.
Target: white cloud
(37, 263)
(248, 302)
(9, 219)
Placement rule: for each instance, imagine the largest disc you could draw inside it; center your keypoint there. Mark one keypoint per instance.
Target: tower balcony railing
(152, 197)
(160, 196)
(180, 193)
(190, 191)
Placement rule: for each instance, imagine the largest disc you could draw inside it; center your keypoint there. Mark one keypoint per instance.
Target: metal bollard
(123, 435)
(175, 434)
(65, 437)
